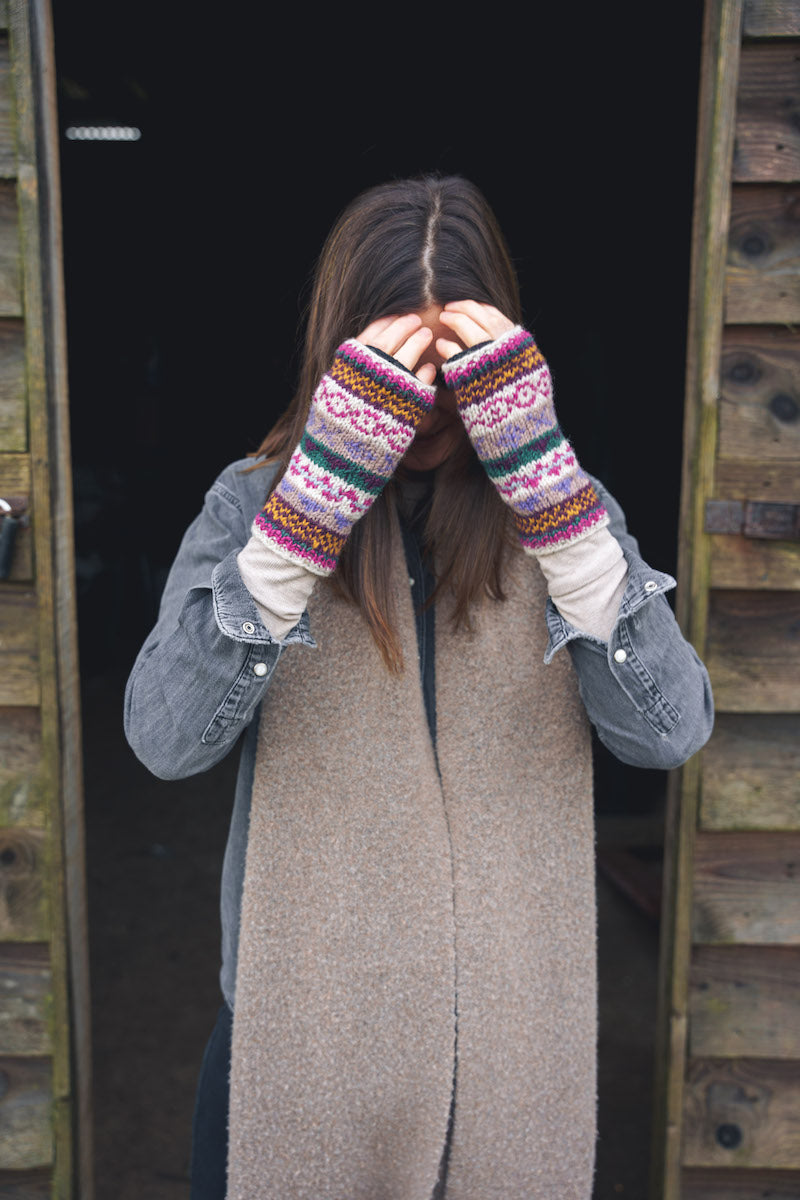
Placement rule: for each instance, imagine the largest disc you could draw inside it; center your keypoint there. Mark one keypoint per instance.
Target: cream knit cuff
(281, 588)
(586, 582)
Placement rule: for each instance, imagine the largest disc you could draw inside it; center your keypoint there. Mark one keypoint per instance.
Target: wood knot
(729, 1136)
(17, 856)
(784, 407)
(755, 243)
(743, 370)
(20, 881)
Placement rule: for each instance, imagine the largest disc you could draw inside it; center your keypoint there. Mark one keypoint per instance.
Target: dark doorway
(187, 250)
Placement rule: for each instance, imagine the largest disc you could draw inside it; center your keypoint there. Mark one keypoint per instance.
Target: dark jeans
(210, 1124)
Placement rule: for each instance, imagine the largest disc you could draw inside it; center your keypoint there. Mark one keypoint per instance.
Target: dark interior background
(187, 253)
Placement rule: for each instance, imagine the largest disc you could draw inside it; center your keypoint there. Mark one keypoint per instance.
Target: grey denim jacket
(200, 676)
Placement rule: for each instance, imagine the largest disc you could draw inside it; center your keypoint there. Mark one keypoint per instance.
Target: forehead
(430, 319)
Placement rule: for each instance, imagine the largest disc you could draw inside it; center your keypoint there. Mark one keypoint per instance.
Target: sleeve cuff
(643, 585)
(236, 612)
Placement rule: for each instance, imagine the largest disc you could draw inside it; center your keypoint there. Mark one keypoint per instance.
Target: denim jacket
(200, 676)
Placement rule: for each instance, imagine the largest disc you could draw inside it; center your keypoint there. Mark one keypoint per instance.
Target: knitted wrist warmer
(505, 397)
(363, 417)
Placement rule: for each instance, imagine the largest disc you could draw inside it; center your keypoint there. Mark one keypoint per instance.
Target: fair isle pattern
(363, 417)
(505, 397)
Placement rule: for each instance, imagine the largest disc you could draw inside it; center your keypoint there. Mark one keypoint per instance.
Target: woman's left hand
(472, 322)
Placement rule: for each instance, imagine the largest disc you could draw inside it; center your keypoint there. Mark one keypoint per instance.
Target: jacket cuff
(644, 584)
(236, 612)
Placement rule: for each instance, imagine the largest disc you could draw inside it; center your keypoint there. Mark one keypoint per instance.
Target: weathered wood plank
(15, 474)
(771, 18)
(767, 145)
(21, 801)
(747, 889)
(744, 1002)
(741, 562)
(753, 651)
(19, 664)
(751, 773)
(8, 160)
(740, 1185)
(26, 1185)
(742, 1113)
(762, 277)
(757, 479)
(759, 422)
(25, 984)
(23, 870)
(13, 419)
(26, 1138)
(10, 281)
(760, 394)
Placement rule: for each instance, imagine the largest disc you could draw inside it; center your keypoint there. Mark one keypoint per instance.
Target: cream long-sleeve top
(586, 581)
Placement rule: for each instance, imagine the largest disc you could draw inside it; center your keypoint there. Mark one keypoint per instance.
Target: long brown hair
(400, 248)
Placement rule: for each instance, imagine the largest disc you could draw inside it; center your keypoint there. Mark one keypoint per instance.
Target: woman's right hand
(405, 338)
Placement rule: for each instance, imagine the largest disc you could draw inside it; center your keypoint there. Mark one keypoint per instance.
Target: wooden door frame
(38, 184)
(721, 43)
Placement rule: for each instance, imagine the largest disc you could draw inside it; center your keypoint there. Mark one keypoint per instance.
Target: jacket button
(260, 669)
(248, 627)
(650, 586)
(620, 656)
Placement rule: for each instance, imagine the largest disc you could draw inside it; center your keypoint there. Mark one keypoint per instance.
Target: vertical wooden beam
(65, 605)
(40, 236)
(30, 247)
(716, 122)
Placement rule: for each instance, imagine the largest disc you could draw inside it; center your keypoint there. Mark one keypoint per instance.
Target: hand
(472, 323)
(405, 338)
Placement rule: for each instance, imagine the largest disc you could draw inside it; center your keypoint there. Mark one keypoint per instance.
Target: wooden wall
(730, 1090)
(43, 994)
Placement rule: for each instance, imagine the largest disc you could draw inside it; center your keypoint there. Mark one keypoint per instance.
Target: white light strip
(103, 133)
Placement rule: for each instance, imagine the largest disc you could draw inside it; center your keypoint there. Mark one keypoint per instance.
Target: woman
(408, 888)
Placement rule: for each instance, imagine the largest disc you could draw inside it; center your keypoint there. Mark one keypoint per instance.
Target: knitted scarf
(413, 931)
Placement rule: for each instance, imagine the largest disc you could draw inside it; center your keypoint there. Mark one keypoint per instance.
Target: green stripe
(531, 452)
(322, 456)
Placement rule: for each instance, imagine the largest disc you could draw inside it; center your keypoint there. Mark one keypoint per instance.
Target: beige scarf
(404, 935)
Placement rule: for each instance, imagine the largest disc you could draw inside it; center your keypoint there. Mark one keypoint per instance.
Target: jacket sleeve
(646, 691)
(205, 667)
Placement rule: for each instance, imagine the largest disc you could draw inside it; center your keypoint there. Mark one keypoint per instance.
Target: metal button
(620, 656)
(248, 627)
(260, 669)
(410, 581)
(650, 586)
